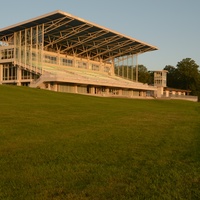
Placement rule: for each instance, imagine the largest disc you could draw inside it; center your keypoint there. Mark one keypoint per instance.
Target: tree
(151, 78)
(171, 76)
(184, 76)
(143, 74)
(188, 75)
(130, 72)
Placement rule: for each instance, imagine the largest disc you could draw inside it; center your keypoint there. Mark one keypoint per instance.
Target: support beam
(136, 68)
(56, 24)
(103, 43)
(1, 73)
(72, 31)
(19, 76)
(129, 51)
(87, 39)
(110, 49)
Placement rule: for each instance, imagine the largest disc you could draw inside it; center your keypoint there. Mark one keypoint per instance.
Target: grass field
(67, 146)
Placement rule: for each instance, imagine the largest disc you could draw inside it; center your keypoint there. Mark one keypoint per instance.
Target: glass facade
(160, 78)
(26, 53)
(29, 46)
(66, 62)
(9, 72)
(126, 67)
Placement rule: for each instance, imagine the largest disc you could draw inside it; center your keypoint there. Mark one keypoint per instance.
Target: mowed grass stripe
(68, 146)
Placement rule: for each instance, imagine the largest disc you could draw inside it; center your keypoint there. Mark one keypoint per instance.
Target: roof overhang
(72, 35)
(176, 89)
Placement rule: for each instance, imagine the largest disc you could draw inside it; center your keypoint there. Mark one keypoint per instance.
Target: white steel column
(123, 68)
(36, 45)
(132, 62)
(19, 76)
(25, 48)
(1, 74)
(127, 68)
(20, 47)
(113, 67)
(118, 66)
(136, 78)
(31, 48)
(42, 49)
(15, 44)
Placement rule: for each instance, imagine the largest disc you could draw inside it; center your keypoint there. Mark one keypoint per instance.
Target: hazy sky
(171, 25)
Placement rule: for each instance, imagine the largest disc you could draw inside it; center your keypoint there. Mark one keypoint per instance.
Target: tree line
(185, 75)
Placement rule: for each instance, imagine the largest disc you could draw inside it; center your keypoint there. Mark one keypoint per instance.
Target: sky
(173, 26)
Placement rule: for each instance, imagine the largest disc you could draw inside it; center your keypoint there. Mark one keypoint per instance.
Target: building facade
(160, 81)
(64, 53)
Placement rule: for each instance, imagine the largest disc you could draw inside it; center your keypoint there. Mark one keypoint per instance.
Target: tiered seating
(70, 74)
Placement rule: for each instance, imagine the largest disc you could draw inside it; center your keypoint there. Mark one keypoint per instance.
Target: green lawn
(67, 146)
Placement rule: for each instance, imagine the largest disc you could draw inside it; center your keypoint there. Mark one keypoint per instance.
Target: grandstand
(60, 52)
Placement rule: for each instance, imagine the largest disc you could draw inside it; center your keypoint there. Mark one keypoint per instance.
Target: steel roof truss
(129, 50)
(87, 39)
(73, 31)
(7, 38)
(50, 26)
(118, 46)
(104, 42)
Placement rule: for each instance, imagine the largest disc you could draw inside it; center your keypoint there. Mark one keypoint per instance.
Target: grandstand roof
(72, 35)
